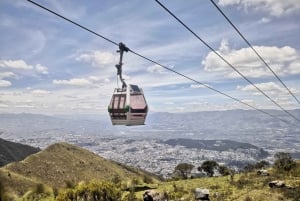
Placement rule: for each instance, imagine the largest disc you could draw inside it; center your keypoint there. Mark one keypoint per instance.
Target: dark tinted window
(135, 88)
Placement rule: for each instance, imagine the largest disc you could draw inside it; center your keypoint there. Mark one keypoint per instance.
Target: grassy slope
(63, 162)
(244, 185)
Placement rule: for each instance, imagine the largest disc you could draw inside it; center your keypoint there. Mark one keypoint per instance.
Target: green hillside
(62, 163)
(11, 151)
(63, 171)
(243, 187)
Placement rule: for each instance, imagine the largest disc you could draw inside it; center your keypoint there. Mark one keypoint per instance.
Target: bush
(177, 193)
(130, 196)
(242, 182)
(293, 194)
(55, 192)
(39, 189)
(94, 191)
(284, 162)
(147, 179)
(69, 184)
(247, 198)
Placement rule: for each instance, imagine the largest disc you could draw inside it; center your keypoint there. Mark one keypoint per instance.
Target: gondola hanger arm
(122, 48)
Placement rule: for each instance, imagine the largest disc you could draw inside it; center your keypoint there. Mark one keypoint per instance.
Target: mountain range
(238, 125)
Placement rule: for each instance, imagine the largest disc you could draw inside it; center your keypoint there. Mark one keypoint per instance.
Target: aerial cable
(254, 50)
(163, 66)
(209, 87)
(75, 23)
(221, 57)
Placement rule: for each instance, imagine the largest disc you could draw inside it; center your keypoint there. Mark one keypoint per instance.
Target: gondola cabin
(128, 106)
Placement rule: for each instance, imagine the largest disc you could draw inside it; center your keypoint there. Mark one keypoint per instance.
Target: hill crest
(62, 162)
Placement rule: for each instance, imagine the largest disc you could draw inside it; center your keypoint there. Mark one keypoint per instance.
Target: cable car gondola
(128, 105)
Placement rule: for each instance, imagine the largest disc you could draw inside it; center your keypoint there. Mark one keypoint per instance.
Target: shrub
(39, 189)
(247, 198)
(130, 196)
(147, 179)
(284, 162)
(94, 191)
(293, 194)
(69, 184)
(242, 182)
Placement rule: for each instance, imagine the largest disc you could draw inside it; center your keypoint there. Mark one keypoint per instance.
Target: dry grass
(64, 163)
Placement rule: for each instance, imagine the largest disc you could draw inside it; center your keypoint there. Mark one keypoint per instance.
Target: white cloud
(3, 105)
(284, 61)
(15, 64)
(94, 78)
(7, 75)
(5, 83)
(106, 80)
(98, 58)
(294, 67)
(248, 101)
(278, 94)
(20, 65)
(169, 103)
(25, 106)
(265, 20)
(268, 87)
(40, 92)
(41, 69)
(195, 86)
(156, 69)
(272, 7)
(73, 82)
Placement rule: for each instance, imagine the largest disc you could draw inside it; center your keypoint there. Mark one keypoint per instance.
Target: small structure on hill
(276, 184)
(280, 184)
(263, 172)
(151, 195)
(201, 194)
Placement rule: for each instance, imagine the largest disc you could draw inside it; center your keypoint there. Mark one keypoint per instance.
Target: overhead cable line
(75, 23)
(254, 50)
(229, 64)
(161, 65)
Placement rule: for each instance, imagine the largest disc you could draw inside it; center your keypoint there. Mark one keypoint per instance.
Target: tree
(224, 171)
(284, 162)
(209, 167)
(184, 169)
(249, 167)
(261, 164)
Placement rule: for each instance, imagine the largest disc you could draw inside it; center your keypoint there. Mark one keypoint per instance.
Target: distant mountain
(26, 125)
(225, 120)
(218, 145)
(248, 126)
(11, 151)
(61, 163)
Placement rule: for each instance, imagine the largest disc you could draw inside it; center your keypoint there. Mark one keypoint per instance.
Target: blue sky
(50, 66)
